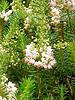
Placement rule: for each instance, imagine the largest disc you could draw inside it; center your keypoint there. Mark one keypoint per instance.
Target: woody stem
(38, 76)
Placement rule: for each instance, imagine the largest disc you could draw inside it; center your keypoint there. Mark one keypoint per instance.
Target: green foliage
(3, 93)
(71, 53)
(10, 43)
(17, 5)
(3, 64)
(26, 89)
(55, 84)
(3, 5)
(27, 2)
(62, 91)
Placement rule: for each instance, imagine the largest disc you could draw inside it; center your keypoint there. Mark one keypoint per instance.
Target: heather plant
(7, 90)
(37, 49)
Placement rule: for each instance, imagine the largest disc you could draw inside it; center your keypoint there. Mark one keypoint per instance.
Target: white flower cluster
(4, 79)
(43, 58)
(57, 5)
(5, 15)
(3, 98)
(60, 4)
(56, 16)
(26, 23)
(2, 50)
(9, 88)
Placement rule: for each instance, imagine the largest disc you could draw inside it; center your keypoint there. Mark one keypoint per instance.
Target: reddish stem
(38, 75)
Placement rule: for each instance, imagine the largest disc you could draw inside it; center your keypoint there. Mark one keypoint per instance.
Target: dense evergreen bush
(37, 50)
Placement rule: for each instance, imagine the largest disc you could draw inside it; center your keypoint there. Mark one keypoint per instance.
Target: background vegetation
(31, 21)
